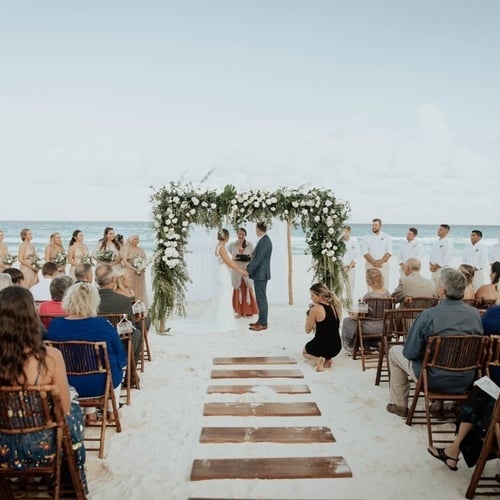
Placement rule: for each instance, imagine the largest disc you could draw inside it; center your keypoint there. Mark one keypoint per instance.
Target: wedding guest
(123, 284)
(78, 253)
(109, 250)
(114, 303)
(5, 280)
(375, 283)
(259, 270)
(53, 307)
(489, 292)
(468, 272)
(16, 276)
(450, 317)
(54, 252)
(244, 303)
(41, 291)
(323, 317)
(24, 360)
(83, 273)
(376, 248)
(4, 252)
(476, 255)
(441, 253)
(28, 259)
(412, 284)
(81, 302)
(349, 262)
(135, 262)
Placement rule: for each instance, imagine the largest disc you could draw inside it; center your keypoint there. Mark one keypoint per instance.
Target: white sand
(152, 457)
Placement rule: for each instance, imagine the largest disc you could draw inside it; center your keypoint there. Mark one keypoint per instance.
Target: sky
(393, 104)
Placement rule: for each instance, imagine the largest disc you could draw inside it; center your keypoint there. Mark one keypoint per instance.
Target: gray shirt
(449, 317)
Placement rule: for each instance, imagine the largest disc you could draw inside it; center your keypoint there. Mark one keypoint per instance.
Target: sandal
(444, 458)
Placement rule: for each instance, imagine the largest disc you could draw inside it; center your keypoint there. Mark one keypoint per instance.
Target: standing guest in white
(219, 317)
(377, 249)
(441, 253)
(412, 248)
(349, 261)
(494, 252)
(476, 255)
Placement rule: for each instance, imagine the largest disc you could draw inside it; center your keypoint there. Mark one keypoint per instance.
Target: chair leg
(146, 346)
(411, 412)
(380, 365)
(428, 419)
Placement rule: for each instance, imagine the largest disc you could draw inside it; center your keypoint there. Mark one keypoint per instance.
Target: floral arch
(177, 207)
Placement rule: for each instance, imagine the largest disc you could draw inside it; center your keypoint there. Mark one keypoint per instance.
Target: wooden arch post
(290, 260)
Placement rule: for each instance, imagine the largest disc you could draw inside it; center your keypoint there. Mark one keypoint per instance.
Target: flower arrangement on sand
(176, 207)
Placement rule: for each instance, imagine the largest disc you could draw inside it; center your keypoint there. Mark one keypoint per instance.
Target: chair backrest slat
(377, 306)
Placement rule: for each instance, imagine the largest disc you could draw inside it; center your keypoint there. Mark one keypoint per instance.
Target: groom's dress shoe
(258, 327)
(253, 324)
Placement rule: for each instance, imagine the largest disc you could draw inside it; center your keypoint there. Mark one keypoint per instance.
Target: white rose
(175, 220)
(195, 201)
(192, 211)
(256, 204)
(175, 199)
(331, 230)
(317, 218)
(330, 253)
(185, 223)
(213, 206)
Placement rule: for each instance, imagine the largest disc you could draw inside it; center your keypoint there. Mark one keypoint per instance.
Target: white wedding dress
(219, 316)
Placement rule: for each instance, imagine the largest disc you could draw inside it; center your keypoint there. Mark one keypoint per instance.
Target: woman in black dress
(323, 317)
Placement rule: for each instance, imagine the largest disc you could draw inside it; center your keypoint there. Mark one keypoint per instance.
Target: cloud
(433, 122)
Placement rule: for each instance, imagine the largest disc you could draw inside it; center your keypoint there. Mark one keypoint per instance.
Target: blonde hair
(374, 278)
(327, 296)
(120, 275)
(81, 300)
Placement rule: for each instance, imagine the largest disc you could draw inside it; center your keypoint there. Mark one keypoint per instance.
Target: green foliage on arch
(176, 207)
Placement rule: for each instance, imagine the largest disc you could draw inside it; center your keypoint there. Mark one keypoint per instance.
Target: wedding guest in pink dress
(27, 258)
(78, 253)
(135, 262)
(54, 252)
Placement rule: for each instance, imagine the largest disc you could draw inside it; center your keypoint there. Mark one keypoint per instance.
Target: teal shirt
(449, 317)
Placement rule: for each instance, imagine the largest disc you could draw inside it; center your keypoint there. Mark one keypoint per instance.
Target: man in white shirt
(377, 250)
(476, 255)
(349, 261)
(41, 291)
(441, 253)
(412, 248)
(494, 252)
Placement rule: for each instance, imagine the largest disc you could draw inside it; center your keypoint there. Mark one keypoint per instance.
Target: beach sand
(153, 456)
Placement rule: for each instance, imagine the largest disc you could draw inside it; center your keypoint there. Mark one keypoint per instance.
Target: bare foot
(329, 363)
(321, 364)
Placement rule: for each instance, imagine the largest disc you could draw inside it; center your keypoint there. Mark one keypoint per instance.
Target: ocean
(93, 231)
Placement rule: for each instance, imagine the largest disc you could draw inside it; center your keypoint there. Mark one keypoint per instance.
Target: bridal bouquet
(36, 263)
(60, 259)
(105, 256)
(87, 259)
(140, 264)
(9, 259)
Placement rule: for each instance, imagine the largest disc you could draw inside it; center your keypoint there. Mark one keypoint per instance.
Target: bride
(219, 317)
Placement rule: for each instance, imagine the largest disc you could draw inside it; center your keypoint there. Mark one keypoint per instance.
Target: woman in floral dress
(78, 253)
(135, 261)
(28, 259)
(54, 252)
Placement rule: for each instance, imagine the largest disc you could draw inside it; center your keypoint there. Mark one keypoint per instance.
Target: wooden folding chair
(36, 412)
(130, 375)
(452, 353)
(397, 322)
(90, 359)
(419, 302)
(376, 308)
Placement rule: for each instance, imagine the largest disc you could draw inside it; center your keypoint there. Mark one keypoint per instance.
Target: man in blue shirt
(450, 317)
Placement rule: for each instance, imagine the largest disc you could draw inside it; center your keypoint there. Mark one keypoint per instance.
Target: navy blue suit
(259, 270)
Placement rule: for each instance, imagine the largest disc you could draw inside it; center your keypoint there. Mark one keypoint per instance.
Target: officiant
(244, 303)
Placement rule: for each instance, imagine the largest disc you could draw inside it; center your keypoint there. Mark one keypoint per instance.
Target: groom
(259, 270)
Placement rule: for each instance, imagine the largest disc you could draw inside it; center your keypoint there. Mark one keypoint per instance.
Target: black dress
(326, 341)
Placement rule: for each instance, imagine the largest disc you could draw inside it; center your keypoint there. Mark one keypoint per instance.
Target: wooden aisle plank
(270, 468)
(256, 360)
(266, 435)
(256, 374)
(242, 389)
(260, 409)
